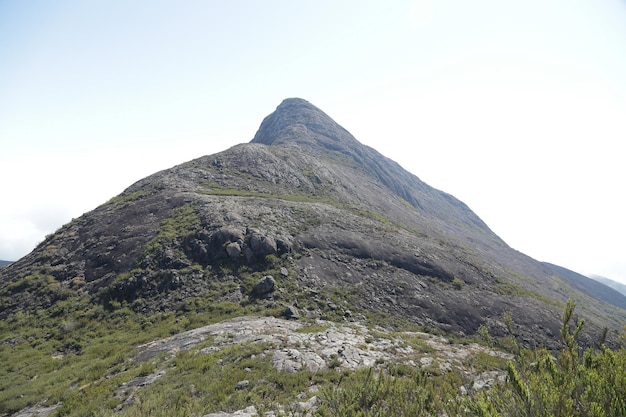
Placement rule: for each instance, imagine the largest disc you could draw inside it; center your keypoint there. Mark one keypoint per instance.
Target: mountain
(337, 213)
(609, 282)
(302, 222)
(4, 263)
(590, 287)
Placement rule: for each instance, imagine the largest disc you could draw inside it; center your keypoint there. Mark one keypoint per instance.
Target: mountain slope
(296, 122)
(589, 286)
(613, 284)
(303, 222)
(307, 194)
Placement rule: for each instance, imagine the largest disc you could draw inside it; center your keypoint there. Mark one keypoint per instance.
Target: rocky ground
(294, 346)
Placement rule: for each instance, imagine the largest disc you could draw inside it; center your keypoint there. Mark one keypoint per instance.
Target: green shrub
(458, 283)
(571, 384)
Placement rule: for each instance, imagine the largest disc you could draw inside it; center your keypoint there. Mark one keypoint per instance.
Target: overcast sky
(518, 108)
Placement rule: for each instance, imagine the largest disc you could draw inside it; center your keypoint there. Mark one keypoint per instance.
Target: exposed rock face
(353, 346)
(346, 347)
(340, 216)
(298, 122)
(37, 411)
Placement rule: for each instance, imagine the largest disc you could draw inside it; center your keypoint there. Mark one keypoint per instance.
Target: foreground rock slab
(294, 346)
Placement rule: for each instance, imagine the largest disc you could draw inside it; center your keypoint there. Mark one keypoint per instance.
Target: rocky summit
(302, 223)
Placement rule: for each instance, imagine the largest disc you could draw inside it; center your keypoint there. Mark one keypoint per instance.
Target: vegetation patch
(506, 287)
(131, 196)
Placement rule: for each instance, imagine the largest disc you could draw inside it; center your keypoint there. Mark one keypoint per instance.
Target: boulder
(233, 250)
(264, 286)
(283, 245)
(292, 313)
(228, 234)
(262, 245)
(242, 384)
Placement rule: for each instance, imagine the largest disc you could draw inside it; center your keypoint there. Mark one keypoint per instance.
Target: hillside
(611, 283)
(590, 287)
(4, 263)
(304, 222)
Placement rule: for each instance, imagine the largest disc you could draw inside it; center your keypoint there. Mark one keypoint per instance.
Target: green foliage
(127, 197)
(84, 358)
(539, 384)
(314, 328)
(458, 283)
(506, 287)
(184, 222)
(79, 354)
(198, 383)
(397, 391)
(297, 198)
(484, 334)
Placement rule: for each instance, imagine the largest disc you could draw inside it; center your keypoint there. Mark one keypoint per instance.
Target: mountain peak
(296, 121)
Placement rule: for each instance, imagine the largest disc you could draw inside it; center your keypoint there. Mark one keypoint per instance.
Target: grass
(214, 189)
(131, 196)
(80, 354)
(314, 328)
(297, 198)
(184, 222)
(506, 287)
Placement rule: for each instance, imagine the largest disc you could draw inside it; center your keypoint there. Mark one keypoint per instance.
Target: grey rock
(292, 313)
(354, 346)
(308, 405)
(283, 245)
(246, 412)
(242, 384)
(487, 379)
(292, 360)
(264, 286)
(228, 234)
(299, 151)
(262, 245)
(233, 250)
(247, 252)
(37, 411)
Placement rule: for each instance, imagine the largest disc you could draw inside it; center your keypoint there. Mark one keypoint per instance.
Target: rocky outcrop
(37, 411)
(327, 345)
(237, 244)
(343, 347)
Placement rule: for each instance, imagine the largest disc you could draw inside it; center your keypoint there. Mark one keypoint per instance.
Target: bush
(591, 384)
(458, 283)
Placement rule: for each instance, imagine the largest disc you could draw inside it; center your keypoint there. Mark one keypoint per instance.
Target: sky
(517, 108)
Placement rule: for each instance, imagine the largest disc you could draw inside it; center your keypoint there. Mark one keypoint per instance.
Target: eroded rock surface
(294, 346)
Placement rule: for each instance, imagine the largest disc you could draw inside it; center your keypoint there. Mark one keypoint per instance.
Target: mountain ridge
(590, 286)
(198, 272)
(618, 286)
(305, 190)
(296, 121)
